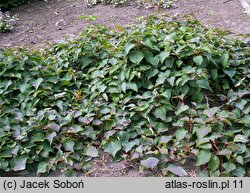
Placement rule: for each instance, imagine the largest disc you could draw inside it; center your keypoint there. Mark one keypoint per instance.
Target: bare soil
(41, 23)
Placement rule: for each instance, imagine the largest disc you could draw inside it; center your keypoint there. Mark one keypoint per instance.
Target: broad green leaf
(241, 138)
(213, 163)
(214, 74)
(225, 152)
(51, 136)
(112, 147)
(37, 83)
(160, 113)
(128, 146)
(164, 55)
(225, 60)
(198, 96)
(136, 56)
(171, 81)
(177, 170)
(203, 83)
(245, 120)
(69, 173)
(37, 137)
(150, 162)
(19, 163)
(230, 72)
(92, 151)
(198, 60)
(203, 173)
(42, 167)
(182, 109)
(131, 86)
(239, 172)
(229, 166)
(211, 111)
(241, 104)
(154, 60)
(167, 94)
(128, 47)
(124, 87)
(162, 77)
(180, 134)
(202, 131)
(69, 145)
(203, 157)
(240, 160)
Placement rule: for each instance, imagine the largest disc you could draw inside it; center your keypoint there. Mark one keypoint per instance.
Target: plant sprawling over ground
(146, 3)
(7, 22)
(6, 4)
(161, 92)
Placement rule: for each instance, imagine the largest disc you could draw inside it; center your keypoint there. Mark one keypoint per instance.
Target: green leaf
(92, 151)
(124, 87)
(240, 160)
(42, 167)
(225, 60)
(241, 138)
(202, 131)
(160, 113)
(37, 83)
(136, 56)
(182, 109)
(177, 170)
(171, 81)
(239, 172)
(162, 77)
(150, 162)
(51, 137)
(213, 163)
(163, 56)
(154, 60)
(128, 146)
(69, 145)
(211, 111)
(241, 104)
(180, 134)
(214, 74)
(38, 137)
(128, 47)
(203, 83)
(229, 166)
(18, 163)
(131, 86)
(230, 72)
(198, 96)
(203, 157)
(112, 147)
(69, 173)
(225, 152)
(198, 60)
(245, 120)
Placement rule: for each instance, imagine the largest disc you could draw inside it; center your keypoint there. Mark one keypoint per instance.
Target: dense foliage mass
(7, 21)
(5, 4)
(161, 92)
(146, 3)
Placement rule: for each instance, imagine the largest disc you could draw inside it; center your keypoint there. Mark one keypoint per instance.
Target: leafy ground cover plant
(160, 93)
(7, 22)
(145, 3)
(6, 4)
